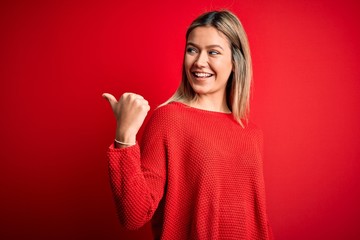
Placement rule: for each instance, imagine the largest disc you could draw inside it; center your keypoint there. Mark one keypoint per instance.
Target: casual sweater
(197, 174)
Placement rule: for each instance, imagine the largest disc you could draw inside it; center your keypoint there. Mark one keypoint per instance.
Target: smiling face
(208, 62)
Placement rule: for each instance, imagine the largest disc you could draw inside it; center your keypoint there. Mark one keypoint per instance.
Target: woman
(198, 172)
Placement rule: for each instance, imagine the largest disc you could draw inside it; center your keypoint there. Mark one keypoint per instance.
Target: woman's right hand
(130, 112)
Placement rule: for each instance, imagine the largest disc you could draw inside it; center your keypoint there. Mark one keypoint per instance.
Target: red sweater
(197, 174)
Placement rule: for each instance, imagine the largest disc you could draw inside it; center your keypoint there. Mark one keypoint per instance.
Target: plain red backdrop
(58, 58)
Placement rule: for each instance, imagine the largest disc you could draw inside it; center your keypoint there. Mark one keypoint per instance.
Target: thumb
(110, 98)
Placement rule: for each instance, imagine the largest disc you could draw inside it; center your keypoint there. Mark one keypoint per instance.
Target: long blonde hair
(239, 82)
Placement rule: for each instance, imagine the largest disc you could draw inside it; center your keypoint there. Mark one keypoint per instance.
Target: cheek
(222, 67)
(228, 67)
(187, 63)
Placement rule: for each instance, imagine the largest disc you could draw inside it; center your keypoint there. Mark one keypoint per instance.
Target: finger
(131, 96)
(145, 102)
(110, 98)
(137, 96)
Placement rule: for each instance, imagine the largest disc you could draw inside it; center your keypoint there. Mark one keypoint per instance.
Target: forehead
(207, 35)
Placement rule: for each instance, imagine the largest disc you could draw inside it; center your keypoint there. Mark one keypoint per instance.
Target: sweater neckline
(183, 105)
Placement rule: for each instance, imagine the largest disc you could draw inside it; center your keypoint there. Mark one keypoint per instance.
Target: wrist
(124, 139)
(120, 144)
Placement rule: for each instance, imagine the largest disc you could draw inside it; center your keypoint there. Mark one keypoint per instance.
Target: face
(208, 62)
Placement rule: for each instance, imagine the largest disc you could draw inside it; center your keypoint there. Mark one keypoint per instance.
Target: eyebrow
(209, 46)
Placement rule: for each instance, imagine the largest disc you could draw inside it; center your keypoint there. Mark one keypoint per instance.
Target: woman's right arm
(137, 188)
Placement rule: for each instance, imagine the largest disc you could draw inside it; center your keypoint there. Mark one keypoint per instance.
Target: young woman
(198, 171)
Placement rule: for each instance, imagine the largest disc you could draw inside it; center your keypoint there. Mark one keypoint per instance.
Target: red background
(58, 58)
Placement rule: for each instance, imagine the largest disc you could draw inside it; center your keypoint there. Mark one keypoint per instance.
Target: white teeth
(202, 74)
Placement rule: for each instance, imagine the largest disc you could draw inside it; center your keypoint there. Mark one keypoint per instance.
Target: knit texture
(197, 174)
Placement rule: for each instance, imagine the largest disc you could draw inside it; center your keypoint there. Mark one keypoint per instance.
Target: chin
(201, 91)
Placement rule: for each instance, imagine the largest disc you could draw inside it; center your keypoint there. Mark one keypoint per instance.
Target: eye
(213, 52)
(191, 50)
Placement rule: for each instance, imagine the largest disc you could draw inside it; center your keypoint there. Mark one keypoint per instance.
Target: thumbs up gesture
(130, 112)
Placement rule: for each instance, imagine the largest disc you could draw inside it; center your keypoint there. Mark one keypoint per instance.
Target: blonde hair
(239, 82)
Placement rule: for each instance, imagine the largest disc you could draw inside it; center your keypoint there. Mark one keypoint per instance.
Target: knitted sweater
(197, 174)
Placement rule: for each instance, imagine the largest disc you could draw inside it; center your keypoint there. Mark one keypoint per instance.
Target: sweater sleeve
(138, 175)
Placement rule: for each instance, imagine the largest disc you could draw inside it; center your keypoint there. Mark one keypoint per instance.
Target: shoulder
(169, 108)
(167, 112)
(257, 136)
(253, 127)
(165, 116)
(255, 131)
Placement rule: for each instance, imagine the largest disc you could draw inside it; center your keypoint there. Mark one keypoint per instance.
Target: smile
(202, 74)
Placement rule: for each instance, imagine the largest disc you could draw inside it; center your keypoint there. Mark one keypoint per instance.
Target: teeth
(202, 74)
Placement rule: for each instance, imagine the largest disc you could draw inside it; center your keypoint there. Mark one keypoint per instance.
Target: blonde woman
(197, 173)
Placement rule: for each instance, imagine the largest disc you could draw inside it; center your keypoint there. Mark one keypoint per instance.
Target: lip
(205, 75)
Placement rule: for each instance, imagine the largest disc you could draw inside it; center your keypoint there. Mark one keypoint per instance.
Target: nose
(201, 60)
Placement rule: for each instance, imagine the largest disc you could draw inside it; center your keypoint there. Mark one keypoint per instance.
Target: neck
(210, 104)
